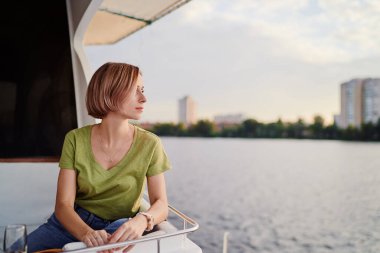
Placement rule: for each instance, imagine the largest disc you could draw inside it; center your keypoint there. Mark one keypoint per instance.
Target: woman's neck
(113, 130)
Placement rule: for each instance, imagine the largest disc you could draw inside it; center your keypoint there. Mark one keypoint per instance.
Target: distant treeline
(252, 128)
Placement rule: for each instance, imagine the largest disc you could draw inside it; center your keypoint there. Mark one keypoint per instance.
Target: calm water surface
(278, 195)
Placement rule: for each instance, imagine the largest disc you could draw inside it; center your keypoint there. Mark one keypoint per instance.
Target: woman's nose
(142, 98)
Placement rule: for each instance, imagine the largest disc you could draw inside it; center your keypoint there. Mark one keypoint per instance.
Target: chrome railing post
(184, 235)
(158, 246)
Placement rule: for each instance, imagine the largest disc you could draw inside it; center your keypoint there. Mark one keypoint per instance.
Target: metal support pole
(225, 242)
(158, 246)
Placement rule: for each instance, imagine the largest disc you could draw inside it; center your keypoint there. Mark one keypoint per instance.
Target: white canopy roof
(116, 19)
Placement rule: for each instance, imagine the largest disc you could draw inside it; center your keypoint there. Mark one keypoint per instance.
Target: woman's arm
(158, 199)
(135, 227)
(64, 210)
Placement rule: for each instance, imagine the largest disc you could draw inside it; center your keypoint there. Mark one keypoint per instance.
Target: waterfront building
(360, 102)
(229, 118)
(187, 111)
(351, 103)
(371, 100)
(223, 121)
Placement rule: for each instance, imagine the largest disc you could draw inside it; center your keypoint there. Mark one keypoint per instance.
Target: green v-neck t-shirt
(115, 193)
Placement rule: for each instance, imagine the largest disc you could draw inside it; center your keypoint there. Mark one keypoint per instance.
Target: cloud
(265, 7)
(197, 12)
(326, 31)
(357, 25)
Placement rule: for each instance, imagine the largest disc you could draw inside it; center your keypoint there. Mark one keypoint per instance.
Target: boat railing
(184, 231)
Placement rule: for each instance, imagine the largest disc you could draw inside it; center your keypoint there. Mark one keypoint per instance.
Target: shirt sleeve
(68, 152)
(159, 162)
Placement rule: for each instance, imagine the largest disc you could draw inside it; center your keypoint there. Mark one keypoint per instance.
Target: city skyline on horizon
(211, 117)
(285, 61)
(359, 99)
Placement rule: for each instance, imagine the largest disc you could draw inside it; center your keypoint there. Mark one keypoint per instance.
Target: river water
(278, 195)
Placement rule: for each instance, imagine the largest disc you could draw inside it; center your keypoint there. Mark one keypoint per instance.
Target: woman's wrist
(149, 220)
(143, 220)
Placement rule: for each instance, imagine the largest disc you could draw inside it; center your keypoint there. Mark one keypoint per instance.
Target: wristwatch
(150, 220)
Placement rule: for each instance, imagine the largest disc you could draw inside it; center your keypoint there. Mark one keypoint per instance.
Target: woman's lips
(140, 108)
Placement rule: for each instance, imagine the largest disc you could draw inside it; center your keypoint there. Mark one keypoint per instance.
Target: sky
(266, 59)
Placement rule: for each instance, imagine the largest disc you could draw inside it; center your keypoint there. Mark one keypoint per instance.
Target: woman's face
(133, 106)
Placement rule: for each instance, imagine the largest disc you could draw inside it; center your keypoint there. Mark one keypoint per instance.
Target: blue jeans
(52, 234)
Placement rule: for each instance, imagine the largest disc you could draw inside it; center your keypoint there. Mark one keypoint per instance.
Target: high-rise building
(371, 100)
(351, 103)
(360, 102)
(187, 111)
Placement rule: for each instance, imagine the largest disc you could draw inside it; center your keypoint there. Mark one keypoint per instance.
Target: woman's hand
(96, 238)
(130, 230)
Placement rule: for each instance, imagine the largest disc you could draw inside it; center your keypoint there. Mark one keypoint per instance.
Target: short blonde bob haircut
(109, 87)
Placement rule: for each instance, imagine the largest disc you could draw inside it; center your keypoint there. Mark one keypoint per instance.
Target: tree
(350, 133)
(169, 129)
(204, 128)
(229, 132)
(317, 127)
(249, 128)
(377, 129)
(368, 132)
(332, 132)
(300, 128)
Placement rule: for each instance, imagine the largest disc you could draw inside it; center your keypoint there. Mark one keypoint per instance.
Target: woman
(104, 168)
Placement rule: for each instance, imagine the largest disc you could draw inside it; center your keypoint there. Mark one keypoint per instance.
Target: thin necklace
(110, 158)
